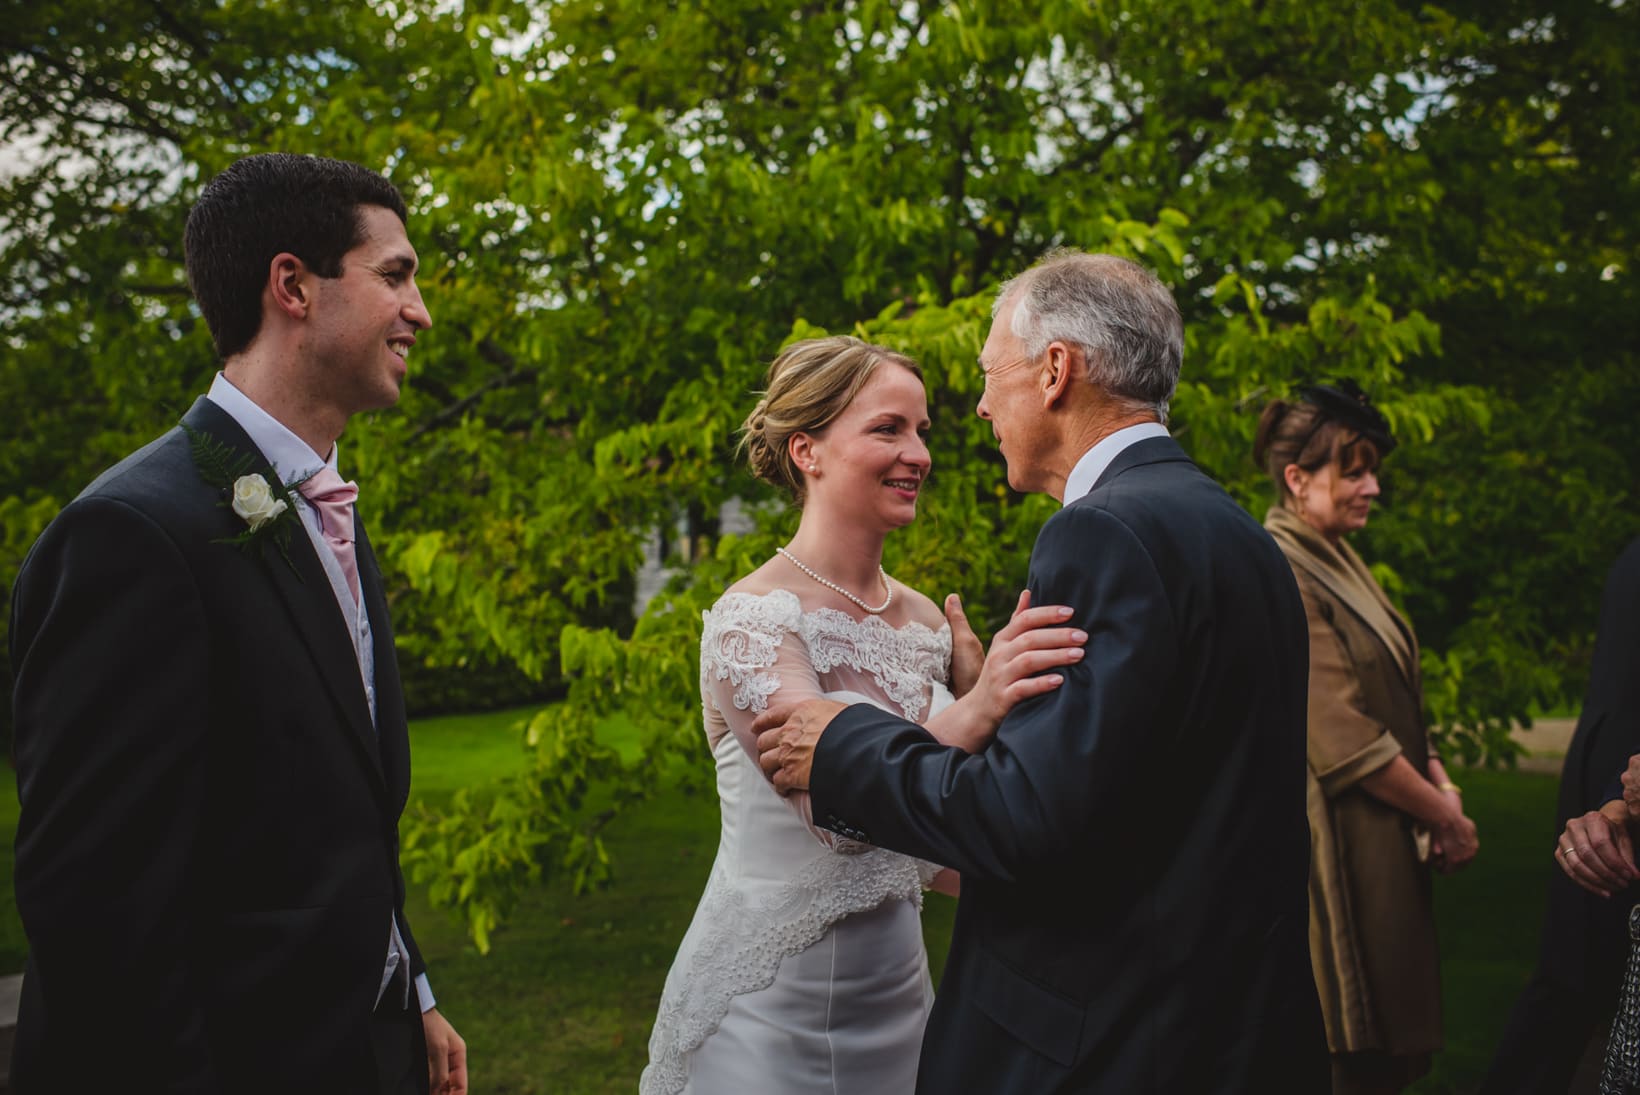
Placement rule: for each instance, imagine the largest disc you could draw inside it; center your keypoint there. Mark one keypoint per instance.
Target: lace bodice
(744, 645)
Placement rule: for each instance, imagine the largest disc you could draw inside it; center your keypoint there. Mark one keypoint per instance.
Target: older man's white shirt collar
(293, 458)
(1097, 459)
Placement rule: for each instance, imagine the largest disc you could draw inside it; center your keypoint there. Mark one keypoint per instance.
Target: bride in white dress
(804, 969)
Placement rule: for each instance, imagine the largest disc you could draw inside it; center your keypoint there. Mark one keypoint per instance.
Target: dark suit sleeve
(1054, 778)
(417, 965)
(1613, 792)
(112, 667)
(1608, 726)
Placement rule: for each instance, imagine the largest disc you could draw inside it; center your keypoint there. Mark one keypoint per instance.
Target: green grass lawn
(13, 947)
(564, 1001)
(1489, 916)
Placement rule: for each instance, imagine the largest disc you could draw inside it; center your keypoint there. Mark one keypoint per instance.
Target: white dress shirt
(293, 460)
(1094, 462)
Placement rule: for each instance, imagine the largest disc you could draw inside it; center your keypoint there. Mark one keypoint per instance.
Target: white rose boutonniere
(254, 501)
(260, 499)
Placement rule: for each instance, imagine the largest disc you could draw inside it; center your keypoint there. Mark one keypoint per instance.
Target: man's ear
(1058, 361)
(290, 284)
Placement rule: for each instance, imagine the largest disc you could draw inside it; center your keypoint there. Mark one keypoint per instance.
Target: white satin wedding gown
(803, 971)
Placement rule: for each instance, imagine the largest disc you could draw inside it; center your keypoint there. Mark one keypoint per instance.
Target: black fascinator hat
(1344, 401)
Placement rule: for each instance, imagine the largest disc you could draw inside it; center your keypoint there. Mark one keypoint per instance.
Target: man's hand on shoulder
(446, 1055)
(786, 737)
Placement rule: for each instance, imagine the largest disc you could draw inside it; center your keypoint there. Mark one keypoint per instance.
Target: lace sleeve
(748, 652)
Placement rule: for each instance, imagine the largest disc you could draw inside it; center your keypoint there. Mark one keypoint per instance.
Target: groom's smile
(368, 317)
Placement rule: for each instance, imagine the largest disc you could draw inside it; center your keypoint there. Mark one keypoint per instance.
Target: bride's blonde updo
(808, 385)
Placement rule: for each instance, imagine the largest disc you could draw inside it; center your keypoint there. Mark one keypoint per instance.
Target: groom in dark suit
(211, 744)
(1133, 844)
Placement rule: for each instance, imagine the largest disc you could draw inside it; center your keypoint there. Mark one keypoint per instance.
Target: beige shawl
(1337, 567)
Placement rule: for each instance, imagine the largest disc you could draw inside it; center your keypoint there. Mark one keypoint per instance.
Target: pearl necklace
(799, 564)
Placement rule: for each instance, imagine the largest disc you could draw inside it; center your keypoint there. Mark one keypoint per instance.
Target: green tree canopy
(624, 207)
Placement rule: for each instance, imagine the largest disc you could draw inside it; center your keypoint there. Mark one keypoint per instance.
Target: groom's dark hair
(263, 205)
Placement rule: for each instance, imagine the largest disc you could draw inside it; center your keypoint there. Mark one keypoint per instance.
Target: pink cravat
(334, 501)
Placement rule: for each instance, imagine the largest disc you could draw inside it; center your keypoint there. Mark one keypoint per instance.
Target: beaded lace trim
(743, 631)
(748, 940)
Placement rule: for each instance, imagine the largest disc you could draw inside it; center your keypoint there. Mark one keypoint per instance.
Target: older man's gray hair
(1125, 321)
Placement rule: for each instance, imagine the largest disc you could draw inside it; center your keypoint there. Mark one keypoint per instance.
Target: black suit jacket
(1133, 845)
(1585, 938)
(1575, 987)
(207, 856)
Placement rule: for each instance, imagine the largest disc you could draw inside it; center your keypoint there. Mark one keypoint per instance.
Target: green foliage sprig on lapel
(261, 499)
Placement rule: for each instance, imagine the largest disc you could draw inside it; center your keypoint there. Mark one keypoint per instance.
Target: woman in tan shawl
(1382, 809)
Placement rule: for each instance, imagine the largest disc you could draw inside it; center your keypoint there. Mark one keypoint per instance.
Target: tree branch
(151, 289)
(495, 355)
(84, 86)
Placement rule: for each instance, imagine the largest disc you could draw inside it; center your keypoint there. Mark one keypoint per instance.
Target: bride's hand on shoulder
(967, 652)
(1034, 640)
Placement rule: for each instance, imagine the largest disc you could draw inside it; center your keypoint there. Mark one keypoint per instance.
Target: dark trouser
(1374, 1073)
(1552, 1031)
(400, 1046)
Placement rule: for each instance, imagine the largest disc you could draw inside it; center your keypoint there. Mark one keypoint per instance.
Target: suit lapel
(391, 731)
(305, 589)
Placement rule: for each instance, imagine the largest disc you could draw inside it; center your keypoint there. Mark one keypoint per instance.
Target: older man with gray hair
(1133, 844)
